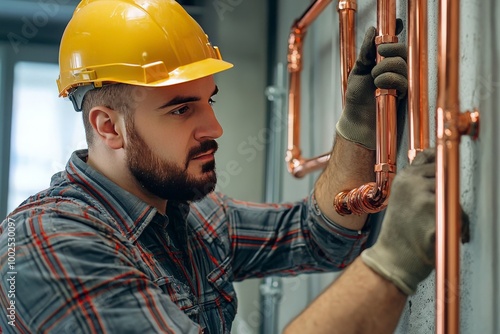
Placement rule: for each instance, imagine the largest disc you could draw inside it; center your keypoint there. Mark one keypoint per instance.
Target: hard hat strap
(76, 95)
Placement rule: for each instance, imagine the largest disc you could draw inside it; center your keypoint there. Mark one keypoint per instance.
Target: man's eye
(180, 111)
(211, 101)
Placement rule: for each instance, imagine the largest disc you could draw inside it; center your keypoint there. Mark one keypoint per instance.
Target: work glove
(404, 251)
(358, 120)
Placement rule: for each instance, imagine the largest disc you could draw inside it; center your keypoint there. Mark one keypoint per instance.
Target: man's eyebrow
(216, 90)
(185, 99)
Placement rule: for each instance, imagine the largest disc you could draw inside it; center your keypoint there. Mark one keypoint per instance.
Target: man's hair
(118, 97)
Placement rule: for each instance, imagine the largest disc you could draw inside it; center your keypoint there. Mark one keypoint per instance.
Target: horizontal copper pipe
(297, 165)
(450, 125)
(372, 197)
(418, 91)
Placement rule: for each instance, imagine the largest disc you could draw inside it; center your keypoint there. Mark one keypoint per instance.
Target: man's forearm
(359, 301)
(349, 167)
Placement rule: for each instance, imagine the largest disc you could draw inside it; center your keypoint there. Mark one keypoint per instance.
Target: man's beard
(165, 179)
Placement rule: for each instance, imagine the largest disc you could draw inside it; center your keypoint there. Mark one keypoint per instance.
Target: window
(45, 130)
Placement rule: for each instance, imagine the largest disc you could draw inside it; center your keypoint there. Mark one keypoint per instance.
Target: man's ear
(109, 126)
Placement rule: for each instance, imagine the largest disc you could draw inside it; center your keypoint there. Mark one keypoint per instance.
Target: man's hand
(404, 250)
(357, 123)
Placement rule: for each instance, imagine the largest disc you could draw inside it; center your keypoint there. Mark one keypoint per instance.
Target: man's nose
(209, 127)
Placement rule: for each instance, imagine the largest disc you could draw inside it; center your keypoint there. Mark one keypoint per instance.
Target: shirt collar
(131, 215)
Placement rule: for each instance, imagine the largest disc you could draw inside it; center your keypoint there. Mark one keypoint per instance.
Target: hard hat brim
(151, 75)
(193, 71)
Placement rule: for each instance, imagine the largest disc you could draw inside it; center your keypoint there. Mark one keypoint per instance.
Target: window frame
(9, 56)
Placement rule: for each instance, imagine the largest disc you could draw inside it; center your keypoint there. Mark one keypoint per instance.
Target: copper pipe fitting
(450, 125)
(297, 165)
(372, 197)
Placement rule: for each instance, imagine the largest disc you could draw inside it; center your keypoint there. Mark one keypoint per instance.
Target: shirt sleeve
(71, 278)
(287, 239)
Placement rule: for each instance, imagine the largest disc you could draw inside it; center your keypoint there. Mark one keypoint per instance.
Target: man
(131, 237)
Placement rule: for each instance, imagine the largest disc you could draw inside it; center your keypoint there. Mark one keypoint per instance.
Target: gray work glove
(357, 122)
(404, 251)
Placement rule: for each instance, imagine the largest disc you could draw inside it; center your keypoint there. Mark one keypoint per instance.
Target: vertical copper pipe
(372, 197)
(447, 173)
(418, 105)
(385, 167)
(347, 22)
(297, 165)
(450, 125)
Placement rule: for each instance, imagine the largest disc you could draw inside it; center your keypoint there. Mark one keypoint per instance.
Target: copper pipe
(418, 104)
(450, 125)
(372, 197)
(447, 173)
(297, 165)
(347, 22)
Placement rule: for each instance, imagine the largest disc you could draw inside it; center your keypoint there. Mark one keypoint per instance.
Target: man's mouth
(204, 153)
(209, 155)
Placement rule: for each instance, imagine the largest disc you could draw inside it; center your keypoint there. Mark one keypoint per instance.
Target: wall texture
(481, 31)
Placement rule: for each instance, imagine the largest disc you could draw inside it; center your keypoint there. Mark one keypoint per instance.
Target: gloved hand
(404, 251)
(357, 122)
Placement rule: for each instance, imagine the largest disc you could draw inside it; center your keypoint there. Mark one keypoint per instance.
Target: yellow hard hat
(151, 43)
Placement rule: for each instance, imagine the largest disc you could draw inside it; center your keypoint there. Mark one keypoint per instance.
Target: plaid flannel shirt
(85, 256)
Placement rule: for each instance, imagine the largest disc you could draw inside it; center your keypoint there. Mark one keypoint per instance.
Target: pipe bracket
(468, 123)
